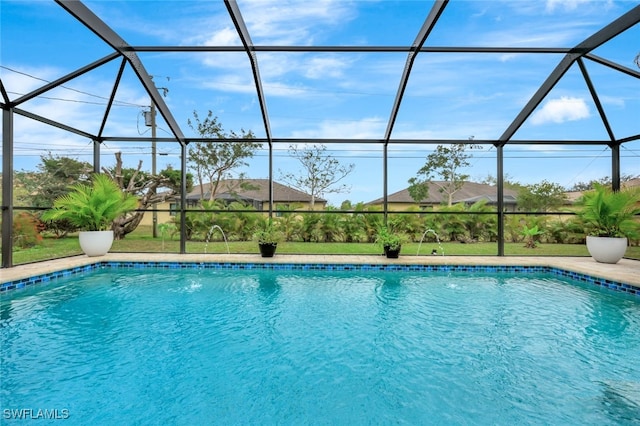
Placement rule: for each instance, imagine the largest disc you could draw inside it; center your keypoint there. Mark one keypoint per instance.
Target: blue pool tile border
(601, 282)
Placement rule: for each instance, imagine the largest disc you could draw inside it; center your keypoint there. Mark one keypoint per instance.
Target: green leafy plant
(166, 228)
(267, 233)
(389, 239)
(608, 213)
(530, 235)
(92, 207)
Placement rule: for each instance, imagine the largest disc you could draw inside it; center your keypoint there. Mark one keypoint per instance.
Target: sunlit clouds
(560, 110)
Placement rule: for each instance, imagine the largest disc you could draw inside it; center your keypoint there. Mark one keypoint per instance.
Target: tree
(331, 227)
(606, 181)
(530, 235)
(144, 186)
(445, 162)
(54, 176)
(541, 197)
(321, 172)
(452, 227)
(507, 181)
(214, 161)
(355, 225)
(480, 226)
(52, 180)
(289, 222)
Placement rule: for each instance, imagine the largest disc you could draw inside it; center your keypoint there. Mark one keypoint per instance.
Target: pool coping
(623, 276)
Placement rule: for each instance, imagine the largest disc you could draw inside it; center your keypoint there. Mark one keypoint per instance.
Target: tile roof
(573, 196)
(254, 189)
(469, 192)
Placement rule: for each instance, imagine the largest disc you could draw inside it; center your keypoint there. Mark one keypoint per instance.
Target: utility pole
(151, 122)
(154, 206)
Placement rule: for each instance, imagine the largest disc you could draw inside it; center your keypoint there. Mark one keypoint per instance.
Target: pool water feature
(434, 251)
(194, 346)
(210, 234)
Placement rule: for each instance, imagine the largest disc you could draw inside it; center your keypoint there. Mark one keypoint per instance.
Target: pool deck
(626, 271)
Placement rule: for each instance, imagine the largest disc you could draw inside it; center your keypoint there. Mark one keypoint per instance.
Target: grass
(142, 241)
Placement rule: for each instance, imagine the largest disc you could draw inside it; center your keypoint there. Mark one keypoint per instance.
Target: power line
(365, 150)
(120, 103)
(355, 157)
(51, 98)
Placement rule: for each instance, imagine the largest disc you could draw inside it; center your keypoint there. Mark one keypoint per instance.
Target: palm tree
(354, 226)
(239, 224)
(202, 220)
(372, 222)
(479, 225)
(331, 227)
(290, 223)
(92, 207)
(453, 225)
(309, 227)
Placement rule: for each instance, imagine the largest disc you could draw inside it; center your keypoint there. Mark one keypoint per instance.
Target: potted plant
(609, 220)
(92, 209)
(390, 241)
(267, 237)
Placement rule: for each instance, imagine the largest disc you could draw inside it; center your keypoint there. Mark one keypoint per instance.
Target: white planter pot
(606, 249)
(96, 243)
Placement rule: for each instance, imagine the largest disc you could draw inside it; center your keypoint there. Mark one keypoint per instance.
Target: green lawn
(143, 242)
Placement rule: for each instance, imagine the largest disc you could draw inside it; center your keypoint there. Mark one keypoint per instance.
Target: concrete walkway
(626, 271)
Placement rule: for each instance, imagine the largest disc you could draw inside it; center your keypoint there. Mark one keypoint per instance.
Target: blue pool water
(153, 346)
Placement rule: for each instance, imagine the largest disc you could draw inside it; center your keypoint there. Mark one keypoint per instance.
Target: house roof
(631, 183)
(491, 199)
(573, 196)
(469, 193)
(254, 190)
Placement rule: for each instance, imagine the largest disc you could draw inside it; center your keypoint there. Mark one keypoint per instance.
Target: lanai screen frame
(128, 55)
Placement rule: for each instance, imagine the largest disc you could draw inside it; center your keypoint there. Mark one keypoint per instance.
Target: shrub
(26, 230)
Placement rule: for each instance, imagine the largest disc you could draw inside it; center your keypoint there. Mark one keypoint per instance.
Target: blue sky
(333, 95)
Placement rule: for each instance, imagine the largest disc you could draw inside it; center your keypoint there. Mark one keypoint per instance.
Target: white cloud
(271, 22)
(229, 83)
(561, 110)
(73, 105)
(325, 67)
(507, 57)
(17, 80)
(544, 34)
(566, 5)
(234, 61)
(225, 37)
(362, 129)
(617, 101)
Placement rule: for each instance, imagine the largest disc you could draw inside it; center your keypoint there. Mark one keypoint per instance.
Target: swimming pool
(292, 346)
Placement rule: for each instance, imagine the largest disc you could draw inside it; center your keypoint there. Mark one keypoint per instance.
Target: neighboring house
(251, 192)
(574, 196)
(631, 183)
(470, 193)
